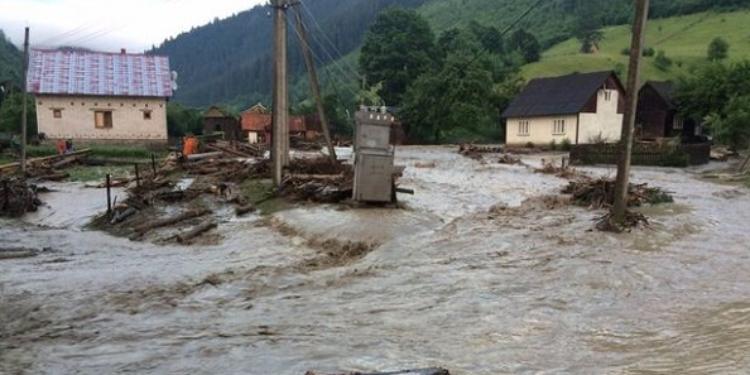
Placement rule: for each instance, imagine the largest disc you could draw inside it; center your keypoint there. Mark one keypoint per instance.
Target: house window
(103, 119)
(607, 95)
(147, 115)
(523, 128)
(57, 113)
(559, 127)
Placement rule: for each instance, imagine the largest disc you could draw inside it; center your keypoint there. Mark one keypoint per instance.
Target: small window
(607, 95)
(147, 115)
(103, 119)
(523, 128)
(57, 113)
(559, 127)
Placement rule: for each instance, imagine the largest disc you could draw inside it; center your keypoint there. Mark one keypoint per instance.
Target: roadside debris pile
(600, 193)
(47, 168)
(563, 171)
(17, 197)
(476, 152)
(428, 371)
(237, 149)
(318, 180)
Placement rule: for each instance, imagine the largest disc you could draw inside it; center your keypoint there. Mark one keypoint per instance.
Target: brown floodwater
(442, 282)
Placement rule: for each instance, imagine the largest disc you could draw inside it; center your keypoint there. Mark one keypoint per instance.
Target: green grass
(262, 191)
(84, 173)
(684, 39)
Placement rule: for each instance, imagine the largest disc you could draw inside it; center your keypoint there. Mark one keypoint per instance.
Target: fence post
(153, 164)
(109, 194)
(137, 176)
(6, 192)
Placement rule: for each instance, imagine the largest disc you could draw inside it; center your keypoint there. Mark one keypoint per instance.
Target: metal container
(374, 157)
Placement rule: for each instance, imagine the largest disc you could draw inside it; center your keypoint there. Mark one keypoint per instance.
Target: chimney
(123, 51)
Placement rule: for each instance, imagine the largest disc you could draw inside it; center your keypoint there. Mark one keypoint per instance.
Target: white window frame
(559, 127)
(523, 128)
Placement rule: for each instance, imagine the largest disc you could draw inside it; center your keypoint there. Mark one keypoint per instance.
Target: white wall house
(579, 108)
(98, 97)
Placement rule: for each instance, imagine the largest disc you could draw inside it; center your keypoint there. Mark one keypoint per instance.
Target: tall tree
(718, 49)
(526, 44)
(398, 48)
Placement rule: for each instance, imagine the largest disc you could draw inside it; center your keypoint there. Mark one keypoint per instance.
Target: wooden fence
(643, 154)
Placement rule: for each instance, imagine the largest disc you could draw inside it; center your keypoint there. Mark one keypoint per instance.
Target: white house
(99, 97)
(582, 108)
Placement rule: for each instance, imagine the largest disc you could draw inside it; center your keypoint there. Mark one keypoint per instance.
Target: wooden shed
(216, 119)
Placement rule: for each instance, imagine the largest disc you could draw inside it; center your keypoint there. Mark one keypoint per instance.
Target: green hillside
(10, 60)
(684, 39)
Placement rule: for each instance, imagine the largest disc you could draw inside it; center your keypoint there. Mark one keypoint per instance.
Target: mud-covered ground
(444, 282)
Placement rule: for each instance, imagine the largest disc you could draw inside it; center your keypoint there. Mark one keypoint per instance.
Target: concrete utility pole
(628, 126)
(23, 99)
(314, 84)
(280, 137)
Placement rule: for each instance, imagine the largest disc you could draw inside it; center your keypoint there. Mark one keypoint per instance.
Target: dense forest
(229, 61)
(10, 62)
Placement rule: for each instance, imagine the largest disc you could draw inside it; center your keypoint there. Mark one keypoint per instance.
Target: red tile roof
(97, 73)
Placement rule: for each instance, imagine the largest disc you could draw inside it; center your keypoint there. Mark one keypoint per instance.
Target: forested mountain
(229, 60)
(10, 60)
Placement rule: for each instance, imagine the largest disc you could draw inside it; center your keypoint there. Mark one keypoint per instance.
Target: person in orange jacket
(189, 145)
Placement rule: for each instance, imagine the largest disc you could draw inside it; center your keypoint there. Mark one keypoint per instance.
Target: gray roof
(558, 95)
(665, 90)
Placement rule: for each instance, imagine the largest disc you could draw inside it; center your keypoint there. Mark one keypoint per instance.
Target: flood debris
(607, 223)
(17, 253)
(160, 223)
(426, 371)
(600, 193)
(48, 168)
(509, 159)
(318, 180)
(17, 197)
(563, 171)
(196, 231)
(476, 152)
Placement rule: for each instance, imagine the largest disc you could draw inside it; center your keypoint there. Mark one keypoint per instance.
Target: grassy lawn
(260, 191)
(82, 173)
(133, 153)
(684, 39)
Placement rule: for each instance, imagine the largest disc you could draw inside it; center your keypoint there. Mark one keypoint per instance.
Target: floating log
(17, 253)
(12, 167)
(207, 155)
(196, 231)
(171, 221)
(121, 216)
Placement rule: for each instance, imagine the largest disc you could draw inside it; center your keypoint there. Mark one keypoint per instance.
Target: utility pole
(314, 84)
(23, 98)
(634, 70)
(280, 137)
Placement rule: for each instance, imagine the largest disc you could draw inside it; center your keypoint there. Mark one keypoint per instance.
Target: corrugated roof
(97, 73)
(556, 96)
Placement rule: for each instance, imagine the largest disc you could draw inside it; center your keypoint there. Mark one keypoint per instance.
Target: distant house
(99, 97)
(216, 119)
(657, 115)
(257, 124)
(582, 108)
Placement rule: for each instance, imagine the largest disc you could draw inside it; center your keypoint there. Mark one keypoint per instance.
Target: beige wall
(605, 122)
(77, 121)
(541, 130)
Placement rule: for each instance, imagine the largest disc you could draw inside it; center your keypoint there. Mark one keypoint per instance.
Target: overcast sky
(109, 25)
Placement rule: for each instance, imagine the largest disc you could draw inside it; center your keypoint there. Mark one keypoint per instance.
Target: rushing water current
(443, 282)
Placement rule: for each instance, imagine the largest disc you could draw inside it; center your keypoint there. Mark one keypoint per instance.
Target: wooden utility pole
(314, 84)
(628, 126)
(280, 137)
(23, 99)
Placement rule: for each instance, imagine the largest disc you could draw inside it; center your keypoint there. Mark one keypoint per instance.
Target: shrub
(649, 52)
(530, 145)
(566, 145)
(662, 62)
(718, 49)
(553, 145)
(625, 51)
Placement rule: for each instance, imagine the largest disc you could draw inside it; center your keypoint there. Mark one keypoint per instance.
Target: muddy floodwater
(443, 282)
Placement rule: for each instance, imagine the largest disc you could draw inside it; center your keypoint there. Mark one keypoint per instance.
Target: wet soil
(484, 272)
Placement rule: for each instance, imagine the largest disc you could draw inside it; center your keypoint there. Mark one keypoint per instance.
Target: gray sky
(109, 25)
